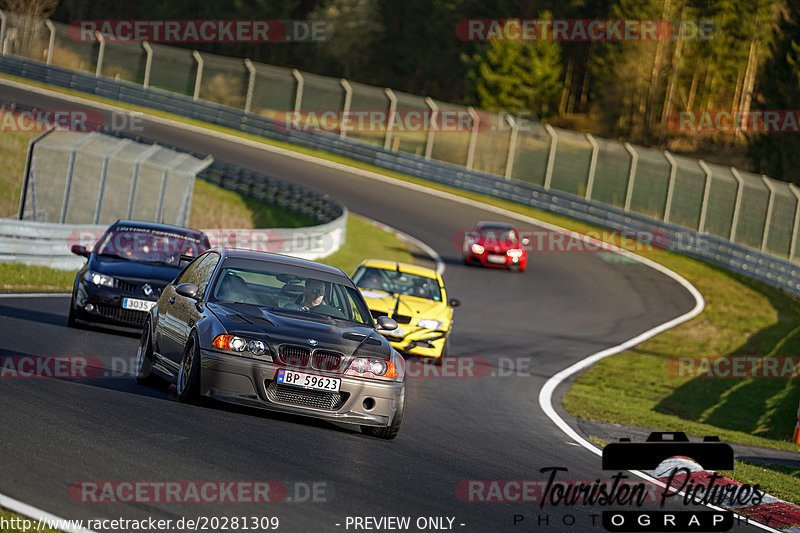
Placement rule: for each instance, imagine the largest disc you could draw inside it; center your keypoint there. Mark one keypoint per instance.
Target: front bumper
(252, 382)
(424, 343)
(507, 260)
(103, 305)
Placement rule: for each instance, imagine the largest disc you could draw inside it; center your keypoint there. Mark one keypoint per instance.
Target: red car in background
(496, 244)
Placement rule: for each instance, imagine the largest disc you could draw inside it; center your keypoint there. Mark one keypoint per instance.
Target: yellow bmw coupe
(415, 298)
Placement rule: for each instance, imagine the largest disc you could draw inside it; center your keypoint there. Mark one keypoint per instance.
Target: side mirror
(525, 241)
(452, 302)
(186, 258)
(187, 289)
(79, 249)
(387, 324)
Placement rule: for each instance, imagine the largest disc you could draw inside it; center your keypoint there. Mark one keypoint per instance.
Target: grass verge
(18, 523)
(742, 317)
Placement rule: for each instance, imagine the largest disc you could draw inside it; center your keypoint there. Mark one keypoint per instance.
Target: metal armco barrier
(48, 244)
(748, 261)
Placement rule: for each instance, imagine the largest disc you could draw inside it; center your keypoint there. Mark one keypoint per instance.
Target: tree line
(729, 56)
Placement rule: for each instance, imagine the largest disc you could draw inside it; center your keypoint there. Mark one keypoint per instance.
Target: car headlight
(428, 323)
(514, 252)
(234, 343)
(101, 280)
(377, 367)
(477, 249)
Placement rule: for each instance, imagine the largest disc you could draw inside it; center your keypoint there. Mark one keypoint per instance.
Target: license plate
(138, 305)
(499, 259)
(308, 381)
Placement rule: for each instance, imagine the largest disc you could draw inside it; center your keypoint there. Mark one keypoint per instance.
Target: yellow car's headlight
(430, 324)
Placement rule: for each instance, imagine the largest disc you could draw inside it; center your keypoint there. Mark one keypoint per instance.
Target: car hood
(409, 306)
(292, 327)
(120, 268)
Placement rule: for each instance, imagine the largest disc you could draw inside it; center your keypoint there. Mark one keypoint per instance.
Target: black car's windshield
(398, 283)
(148, 245)
(301, 292)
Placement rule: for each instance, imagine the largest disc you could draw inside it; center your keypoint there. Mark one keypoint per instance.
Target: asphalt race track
(58, 433)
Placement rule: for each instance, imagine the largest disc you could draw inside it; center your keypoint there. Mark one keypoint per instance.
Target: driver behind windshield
(313, 294)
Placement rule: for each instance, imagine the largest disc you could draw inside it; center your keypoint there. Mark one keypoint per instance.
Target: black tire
(188, 386)
(515, 268)
(389, 432)
(71, 323)
(144, 358)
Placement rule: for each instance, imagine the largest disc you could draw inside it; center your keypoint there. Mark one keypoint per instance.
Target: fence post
(175, 162)
(387, 140)
(431, 127)
(103, 175)
(673, 173)
(551, 156)
(251, 83)
(592, 166)
(70, 171)
(135, 180)
(51, 43)
(348, 99)
(473, 137)
(737, 205)
(199, 76)
(512, 146)
(298, 94)
(796, 222)
(701, 227)
(26, 174)
(101, 53)
(631, 175)
(770, 207)
(3, 24)
(148, 63)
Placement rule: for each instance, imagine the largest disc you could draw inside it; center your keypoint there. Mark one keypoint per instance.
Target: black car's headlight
(237, 344)
(101, 280)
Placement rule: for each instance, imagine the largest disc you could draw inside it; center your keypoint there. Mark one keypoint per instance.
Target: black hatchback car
(127, 269)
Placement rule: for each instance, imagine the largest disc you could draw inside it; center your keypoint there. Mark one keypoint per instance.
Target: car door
(180, 313)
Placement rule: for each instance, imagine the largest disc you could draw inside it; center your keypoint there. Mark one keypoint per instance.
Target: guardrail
(769, 269)
(48, 244)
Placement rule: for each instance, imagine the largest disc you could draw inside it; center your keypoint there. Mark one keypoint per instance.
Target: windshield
(290, 292)
(398, 283)
(149, 245)
(498, 235)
